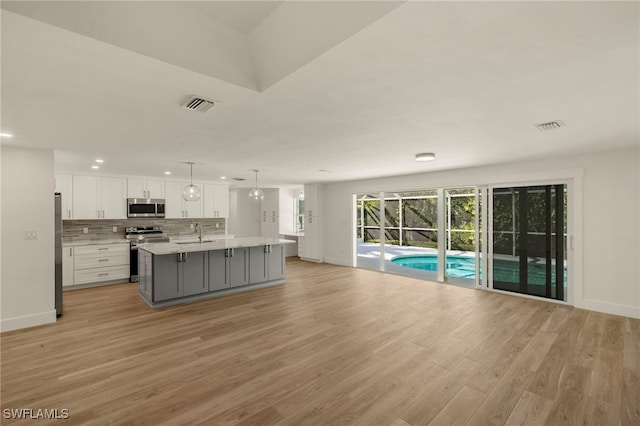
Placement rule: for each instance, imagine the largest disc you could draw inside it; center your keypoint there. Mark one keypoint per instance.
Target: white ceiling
(356, 88)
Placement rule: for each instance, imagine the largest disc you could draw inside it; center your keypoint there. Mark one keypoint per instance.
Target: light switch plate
(85, 230)
(115, 229)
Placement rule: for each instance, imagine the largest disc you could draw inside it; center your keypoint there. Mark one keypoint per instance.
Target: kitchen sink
(195, 242)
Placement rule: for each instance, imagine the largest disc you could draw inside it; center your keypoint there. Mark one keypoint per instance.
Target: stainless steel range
(142, 235)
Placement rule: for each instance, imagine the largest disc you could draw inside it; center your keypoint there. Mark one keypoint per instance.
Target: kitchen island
(180, 272)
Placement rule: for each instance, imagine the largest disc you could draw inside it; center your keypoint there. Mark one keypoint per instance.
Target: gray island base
(174, 273)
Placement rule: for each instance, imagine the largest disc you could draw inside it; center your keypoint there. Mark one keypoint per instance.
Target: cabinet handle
(103, 275)
(179, 257)
(184, 257)
(69, 213)
(70, 251)
(98, 214)
(231, 252)
(103, 260)
(103, 248)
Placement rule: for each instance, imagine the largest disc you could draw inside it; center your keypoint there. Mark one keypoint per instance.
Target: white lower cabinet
(67, 266)
(310, 247)
(100, 262)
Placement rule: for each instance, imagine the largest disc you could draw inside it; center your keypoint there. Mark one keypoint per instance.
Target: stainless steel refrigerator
(58, 254)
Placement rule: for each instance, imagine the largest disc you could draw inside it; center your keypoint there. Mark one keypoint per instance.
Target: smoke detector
(196, 103)
(550, 125)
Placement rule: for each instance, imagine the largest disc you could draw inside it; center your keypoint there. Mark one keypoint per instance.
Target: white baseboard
(311, 260)
(26, 321)
(336, 261)
(609, 308)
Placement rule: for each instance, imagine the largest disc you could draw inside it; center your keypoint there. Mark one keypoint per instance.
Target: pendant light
(256, 194)
(191, 192)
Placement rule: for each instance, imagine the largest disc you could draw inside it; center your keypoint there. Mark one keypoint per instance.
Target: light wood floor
(332, 346)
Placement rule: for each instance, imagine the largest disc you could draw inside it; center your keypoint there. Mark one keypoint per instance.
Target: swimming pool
(465, 267)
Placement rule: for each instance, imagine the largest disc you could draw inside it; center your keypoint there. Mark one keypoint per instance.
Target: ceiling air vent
(198, 104)
(550, 125)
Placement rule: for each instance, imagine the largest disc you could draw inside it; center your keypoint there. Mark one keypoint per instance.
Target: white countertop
(218, 244)
(94, 242)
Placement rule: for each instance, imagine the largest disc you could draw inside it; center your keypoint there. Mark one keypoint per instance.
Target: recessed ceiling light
(99, 160)
(95, 167)
(167, 173)
(6, 135)
(223, 177)
(425, 156)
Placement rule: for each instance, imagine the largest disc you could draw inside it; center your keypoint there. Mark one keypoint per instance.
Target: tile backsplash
(72, 230)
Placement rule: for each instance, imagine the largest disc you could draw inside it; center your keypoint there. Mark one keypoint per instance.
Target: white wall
(27, 277)
(606, 240)
(244, 214)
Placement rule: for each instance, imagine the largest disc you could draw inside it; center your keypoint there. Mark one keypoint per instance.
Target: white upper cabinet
(85, 197)
(176, 207)
(145, 188)
(64, 185)
(311, 204)
(99, 198)
(270, 214)
(113, 198)
(216, 200)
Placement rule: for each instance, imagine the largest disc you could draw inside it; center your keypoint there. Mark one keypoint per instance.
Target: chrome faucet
(198, 227)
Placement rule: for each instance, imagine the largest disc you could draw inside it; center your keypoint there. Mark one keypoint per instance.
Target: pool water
(465, 267)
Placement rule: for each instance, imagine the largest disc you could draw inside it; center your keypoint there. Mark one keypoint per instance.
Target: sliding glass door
(529, 240)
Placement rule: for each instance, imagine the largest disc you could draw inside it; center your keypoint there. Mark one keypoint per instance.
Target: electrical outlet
(115, 229)
(30, 234)
(85, 230)
(217, 225)
(191, 226)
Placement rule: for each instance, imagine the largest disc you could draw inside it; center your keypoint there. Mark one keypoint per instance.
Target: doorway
(528, 247)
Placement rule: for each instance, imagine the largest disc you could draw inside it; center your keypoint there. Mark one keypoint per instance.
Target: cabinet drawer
(95, 275)
(102, 249)
(98, 260)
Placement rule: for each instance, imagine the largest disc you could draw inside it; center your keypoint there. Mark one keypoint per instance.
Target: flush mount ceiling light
(95, 167)
(425, 156)
(6, 135)
(99, 160)
(191, 192)
(256, 194)
(167, 173)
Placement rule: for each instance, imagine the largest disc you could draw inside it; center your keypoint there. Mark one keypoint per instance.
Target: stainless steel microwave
(145, 207)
